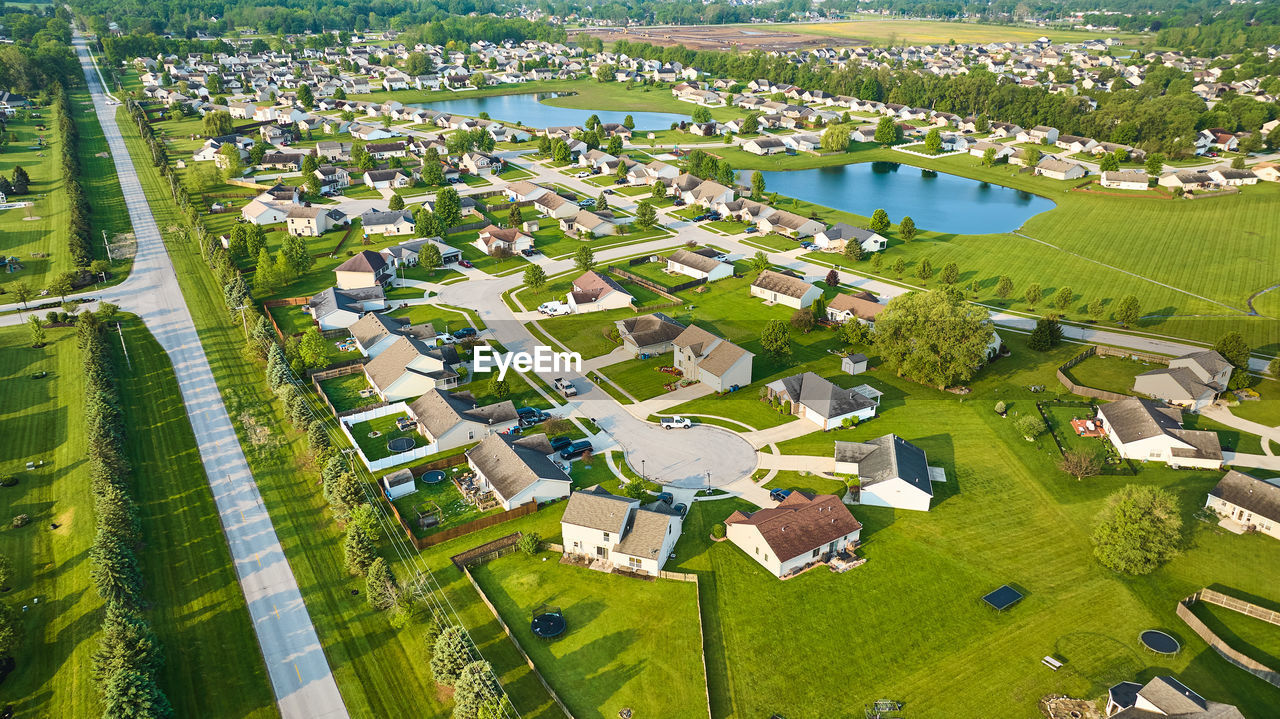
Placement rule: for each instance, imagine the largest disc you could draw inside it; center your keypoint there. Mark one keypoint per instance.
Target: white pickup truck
(676, 423)
(565, 387)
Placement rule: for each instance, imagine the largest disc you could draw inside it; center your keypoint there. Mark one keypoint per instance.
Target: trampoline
(434, 477)
(401, 444)
(548, 622)
(1002, 598)
(1159, 642)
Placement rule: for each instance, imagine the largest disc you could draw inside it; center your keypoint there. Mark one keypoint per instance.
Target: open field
(1259, 640)
(884, 31)
(636, 641)
(213, 665)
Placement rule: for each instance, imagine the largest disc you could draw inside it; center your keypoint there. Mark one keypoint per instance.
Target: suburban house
(1041, 134)
(1056, 169)
(802, 530)
(332, 178)
(555, 206)
(1230, 177)
(1250, 502)
(648, 335)
(312, 221)
(365, 269)
(517, 469)
(1194, 380)
(784, 289)
(387, 223)
(707, 193)
(1186, 179)
(525, 191)
(790, 224)
(453, 419)
(1124, 180)
(264, 213)
(716, 362)
(891, 471)
(1163, 697)
(410, 367)
(408, 252)
(698, 265)
(1144, 429)
(337, 309)
(374, 333)
(822, 402)
(497, 239)
(607, 528)
(586, 223)
(862, 306)
(764, 146)
(593, 292)
(387, 179)
(835, 237)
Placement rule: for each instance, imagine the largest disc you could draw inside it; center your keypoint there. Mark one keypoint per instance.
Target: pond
(935, 200)
(529, 110)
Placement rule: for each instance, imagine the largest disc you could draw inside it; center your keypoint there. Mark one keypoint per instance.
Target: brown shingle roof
(861, 308)
(701, 263)
(800, 524)
(782, 284)
(595, 508)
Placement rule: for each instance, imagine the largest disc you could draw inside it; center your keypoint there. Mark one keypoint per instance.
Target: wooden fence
(461, 530)
(487, 551)
(663, 290)
(1254, 667)
(1102, 351)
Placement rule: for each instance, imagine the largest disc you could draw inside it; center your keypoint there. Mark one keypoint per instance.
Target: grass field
(636, 641)
(1259, 640)
(641, 378)
(921, 32)
(213, 665)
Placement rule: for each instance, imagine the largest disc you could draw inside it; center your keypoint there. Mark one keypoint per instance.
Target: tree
(1080, 464)
(450, 655)
(802, 320)
(1031, 156)
(36, 331)
(629, 122)
(950, 273)
(854, 332)
(1030, 425)
(1108, 163)
(499, 388)
(475, 688)
(6, 575)
(760, 261)
(1140, 530)
(751, 124)
(924, 270)
(584, 259)
(701, 114)
(133, 694)
(1096, 309)
(602, 202)
(933, 337)
(448, 207)
(296, 256)
(1046, 335)
(836, 138)
(380, 588)
(396, 203)
(1237, 163)
(530, 543)
(615, 147)
(886, 132)
(853, 250)
(906, 228)
(232, 165)
(218, 124)
(515, 217)
(833, 278)
(357, 550)
(646, 215)
(314, 349)
(21, 181)
(1273, 367)
(1129, 311)
(1235, 350)
(757, 185)
(776, 339)
(306, 98)
(899, 266)
(560, 151)
(879, 221)
(659, 190)
(1063, 299)
(63, 284)
(933, 142)
(989, 157)
(1033, 295)
(1004, 287)
(22, 292)
(535, 277)
(1154, 164)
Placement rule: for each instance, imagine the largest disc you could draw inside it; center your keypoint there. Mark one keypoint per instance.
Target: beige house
(701, 264)
(790, 224)
(585, 223)
(1250, 502)
(801, 531)
(518, 470)
(784, 290)
(603, 527)
(555, 206)
(1193, 381)
(716, 362)
(365, 269)
(312, 221)
(862, 306)
(410, 367)
(649, 335)
(1124, 180)
(1056, 169)
(594, 292)
(499, 239)
(453, 419)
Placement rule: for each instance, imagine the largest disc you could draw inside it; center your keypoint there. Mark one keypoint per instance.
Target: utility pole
(243, 322)
(107, 245)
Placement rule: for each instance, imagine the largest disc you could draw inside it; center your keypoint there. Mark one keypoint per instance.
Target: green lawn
(344, 392)
(636, 640)
(1113, 374)
(521, 393)
(213, 665)
(375, 447)
(806, 482)
(291, 319)
(1265, 410)
(1259, 640)
(641, 378)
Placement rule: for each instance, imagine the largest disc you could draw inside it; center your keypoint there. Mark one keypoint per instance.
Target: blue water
(935, 201)
(531, 112)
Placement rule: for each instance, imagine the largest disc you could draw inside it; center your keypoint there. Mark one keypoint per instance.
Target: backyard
(374, 435)
(348, 392)
(1259, 640)
(631, 644)
(441, 499)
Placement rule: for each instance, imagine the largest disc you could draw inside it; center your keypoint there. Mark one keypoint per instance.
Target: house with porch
(891, 472)
(801, 531)
(826, 404)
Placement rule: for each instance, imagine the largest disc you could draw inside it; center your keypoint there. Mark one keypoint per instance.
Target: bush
(530, 543)
(1140, 530)
(718, 530)
(21, 520)
(1030, 425)
(9, 481)
(1001, 407)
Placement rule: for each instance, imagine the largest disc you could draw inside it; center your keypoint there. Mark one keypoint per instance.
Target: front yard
(641, 378)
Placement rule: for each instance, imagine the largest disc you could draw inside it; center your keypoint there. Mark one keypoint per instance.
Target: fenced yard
(344, 392)
(375, 447)
(442, 499)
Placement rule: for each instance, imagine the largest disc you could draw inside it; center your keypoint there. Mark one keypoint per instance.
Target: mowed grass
(933, 32)
(630, 643)
(1259, 640)
(213, 665)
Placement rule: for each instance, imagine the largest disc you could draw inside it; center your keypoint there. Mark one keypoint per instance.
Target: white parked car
(445, 338)
(554, 309)
(676, 423)
(581, 175)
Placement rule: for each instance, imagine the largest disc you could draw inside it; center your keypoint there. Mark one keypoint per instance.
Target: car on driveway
(682, 508)
(466, 264)
(445, 338)
(554, 309)
(530, 251)
(464, 333)
(559, 443)
(575, 450)
(676, 423)
(751, 228)
(666, 497)
(778, 495)
(808, 245)
(586, 203)
(620, 181)
(581, 175)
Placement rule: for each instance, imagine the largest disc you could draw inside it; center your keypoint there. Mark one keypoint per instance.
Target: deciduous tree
(776, 338)
(584, 259)
(933, 337)
(1129, 311)
(1080, 464)
(1033, 295)
(1140, 530)
(879, 221)
(906, 228)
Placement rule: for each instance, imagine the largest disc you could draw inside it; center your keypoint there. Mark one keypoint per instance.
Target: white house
(264, 213)
(1193, 380)
(714, 361)
(784, 290)
(499, 239)
(411, 367)
(837, 236)
(618, 530)
(1248, 501)
(802, 530)
(336, 308)
(594, 292)
(1124, 180)
(862, 306)
(822, 402)
(374, 333)
(453, 419)
(699, 264)
(1056, 169)
(518, 470)
(891, 472)
(1163, 696)
(1143, 429)
(790, 224)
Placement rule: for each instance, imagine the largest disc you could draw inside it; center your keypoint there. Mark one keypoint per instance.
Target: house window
(815, 553)
(577, 545)
(606, 536)
(633, 562)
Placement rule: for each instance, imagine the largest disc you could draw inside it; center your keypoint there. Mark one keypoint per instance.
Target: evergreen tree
(381, 590)
(450, 655)
(879, 221)
(132, 694)
(396, 203)
(357, 550)
(476, 687)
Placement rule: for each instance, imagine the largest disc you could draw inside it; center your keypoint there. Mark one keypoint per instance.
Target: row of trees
(79, 240)
(129, 656)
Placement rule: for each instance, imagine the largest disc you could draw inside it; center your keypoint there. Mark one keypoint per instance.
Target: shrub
(9, 481)
(21, 520)
(1001, 407)
(718, 530)
(1030, 425)
(1140, 530)
(530, 543)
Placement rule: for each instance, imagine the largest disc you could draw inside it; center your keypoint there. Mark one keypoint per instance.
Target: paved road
(300, 675)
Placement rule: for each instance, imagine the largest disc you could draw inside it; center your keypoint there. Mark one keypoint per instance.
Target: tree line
(79, 240)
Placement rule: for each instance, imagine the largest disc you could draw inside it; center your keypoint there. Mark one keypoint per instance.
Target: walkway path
(798, 463)
(300, 676)
(1222, 414)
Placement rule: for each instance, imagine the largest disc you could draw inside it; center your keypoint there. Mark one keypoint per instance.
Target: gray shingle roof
(596, 508)
(439, 411)
(820, 395)
(512, 465)
(885, 458)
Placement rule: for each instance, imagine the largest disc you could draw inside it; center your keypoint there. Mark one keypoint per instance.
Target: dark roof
(1261, 498)
(511, 465)
(800, 523)
(1134, 419)
(821, 395)
(845, 231)
(885, 458)
(334, 299)
(372, 217)
(363, 261)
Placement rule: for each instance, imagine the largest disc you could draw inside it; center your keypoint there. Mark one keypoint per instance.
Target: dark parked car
(575, 450)
(464, 333)
(666, 497)
(619, 181)
(559, 443)
(778, 495)
(682, 508)
(529, 252)
(751, 228)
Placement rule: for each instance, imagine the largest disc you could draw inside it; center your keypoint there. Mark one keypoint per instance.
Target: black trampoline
(1003, 598)
(1159, 642)
(548, 622)
(434, 477)
(401, 444)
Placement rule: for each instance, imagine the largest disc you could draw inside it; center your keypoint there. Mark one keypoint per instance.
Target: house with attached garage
(1147, 430)
(648, 335)
(698, 265)
(787, 290)
(594, 292)
(366, 268)
(1248, 501)
(1124, 180)
(764, 146)
(603, 527)
(453, 419)
(1056, 169)
(789, 224)
(518, 470)
(1193, 381)
(410, 367)
(499, 239)
(524, 191)
(1041, 134)
(387, 179)
(1000, 151)
(716, 362)
(312, 221)
(802, 530)
(891, 472)
(862, 306)
(332, 178)
(336, 308)
(260, 212)
(707, 193)
(1163, 696)
(1186, 179)
(389, 223)
(822, 402)
(374, 333)
(837, 236)
(556, 207)
(587, 224)
(408, 252)
(1230, 177)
